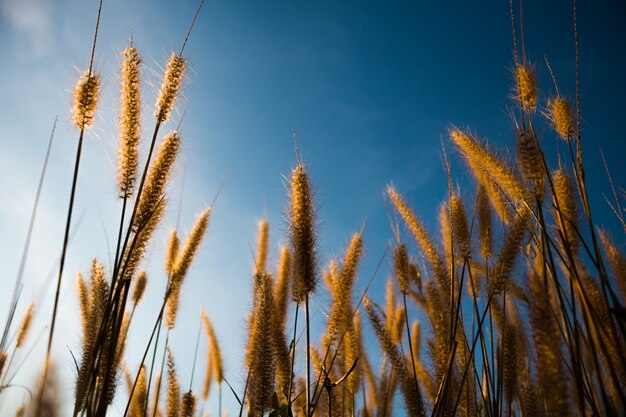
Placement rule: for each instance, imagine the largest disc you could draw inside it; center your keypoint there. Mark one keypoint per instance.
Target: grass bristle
(560, 115)
(24, 326)
(86, 94)
(302, 221)
(130, 118)
(172, 79)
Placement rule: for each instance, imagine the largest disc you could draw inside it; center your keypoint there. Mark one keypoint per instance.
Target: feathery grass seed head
(130, 122)
(86, 94)
(490, 170)
(302, 220)
(172, 252)
(459, 225)
(485, 227)
(559, 113)
(422, 237)
(567, 215)
(172, 79)
(529, 160)
(526, 86)
(401, 264)
(140, 287)
(192, 245)
(261, 255)
(188, 406)
(172, 401)
(138, 401)
(24, 326)
(159, 174)
(216, 354)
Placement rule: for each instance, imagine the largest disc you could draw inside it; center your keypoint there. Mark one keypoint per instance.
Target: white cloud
(31, 21)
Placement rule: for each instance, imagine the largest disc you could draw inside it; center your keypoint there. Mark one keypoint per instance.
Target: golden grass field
(522, 293)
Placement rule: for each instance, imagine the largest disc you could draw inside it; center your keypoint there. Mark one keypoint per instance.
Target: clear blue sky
(370, 87)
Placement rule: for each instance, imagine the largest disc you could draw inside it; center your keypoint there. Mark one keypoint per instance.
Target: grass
(523, 295)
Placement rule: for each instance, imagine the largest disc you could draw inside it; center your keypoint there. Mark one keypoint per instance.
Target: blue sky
(370, 87)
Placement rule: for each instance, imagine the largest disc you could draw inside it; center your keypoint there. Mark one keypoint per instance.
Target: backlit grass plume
(24, 326)
(459, 225)
(401, 267)
(529, 160)
(140, 287)
(485, 227)
(281, 300)
(617, 262)
(138, 401)
(302, 222)
(260, 359)
(410, 392)
(261, 254)
(423, 239)
(182, 264)
(509, 251)
(526, 86)
(134, 253)
(340, 316)
(173, 244)
(172, 79)
(489, 169)
(215, 354)
(188, 405)
(86, 94)
(567, 213)
(172, 400)
(158, 176)
(559, 113)
(130, 118)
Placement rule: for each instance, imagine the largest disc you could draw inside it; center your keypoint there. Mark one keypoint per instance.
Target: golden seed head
(159, 174)
(526, 86)
(188, 406)
(511, 247)
(171, 308)
(490, 171)
(25, 326)
(261, 255)
(138, 401)
(86, 95)
(617, 261)
(134, 257)
(422, 237)
(281, 290)
(415, 275)
(192, 245)
(172, 79)
(172, 252)
(415, 339)
(130, 122)
(172, 401)
(485, 229)
(411, 393)
(559, 113)
(260, 358)
(216, 354)
(140, 286)
(302, 219)
(401, 264)
(530, 161)
(567, 216)
(459, 225)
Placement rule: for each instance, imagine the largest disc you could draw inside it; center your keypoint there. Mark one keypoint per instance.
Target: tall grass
(523, 295)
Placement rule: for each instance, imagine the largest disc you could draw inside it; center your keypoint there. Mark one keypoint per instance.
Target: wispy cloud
(32, 23)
